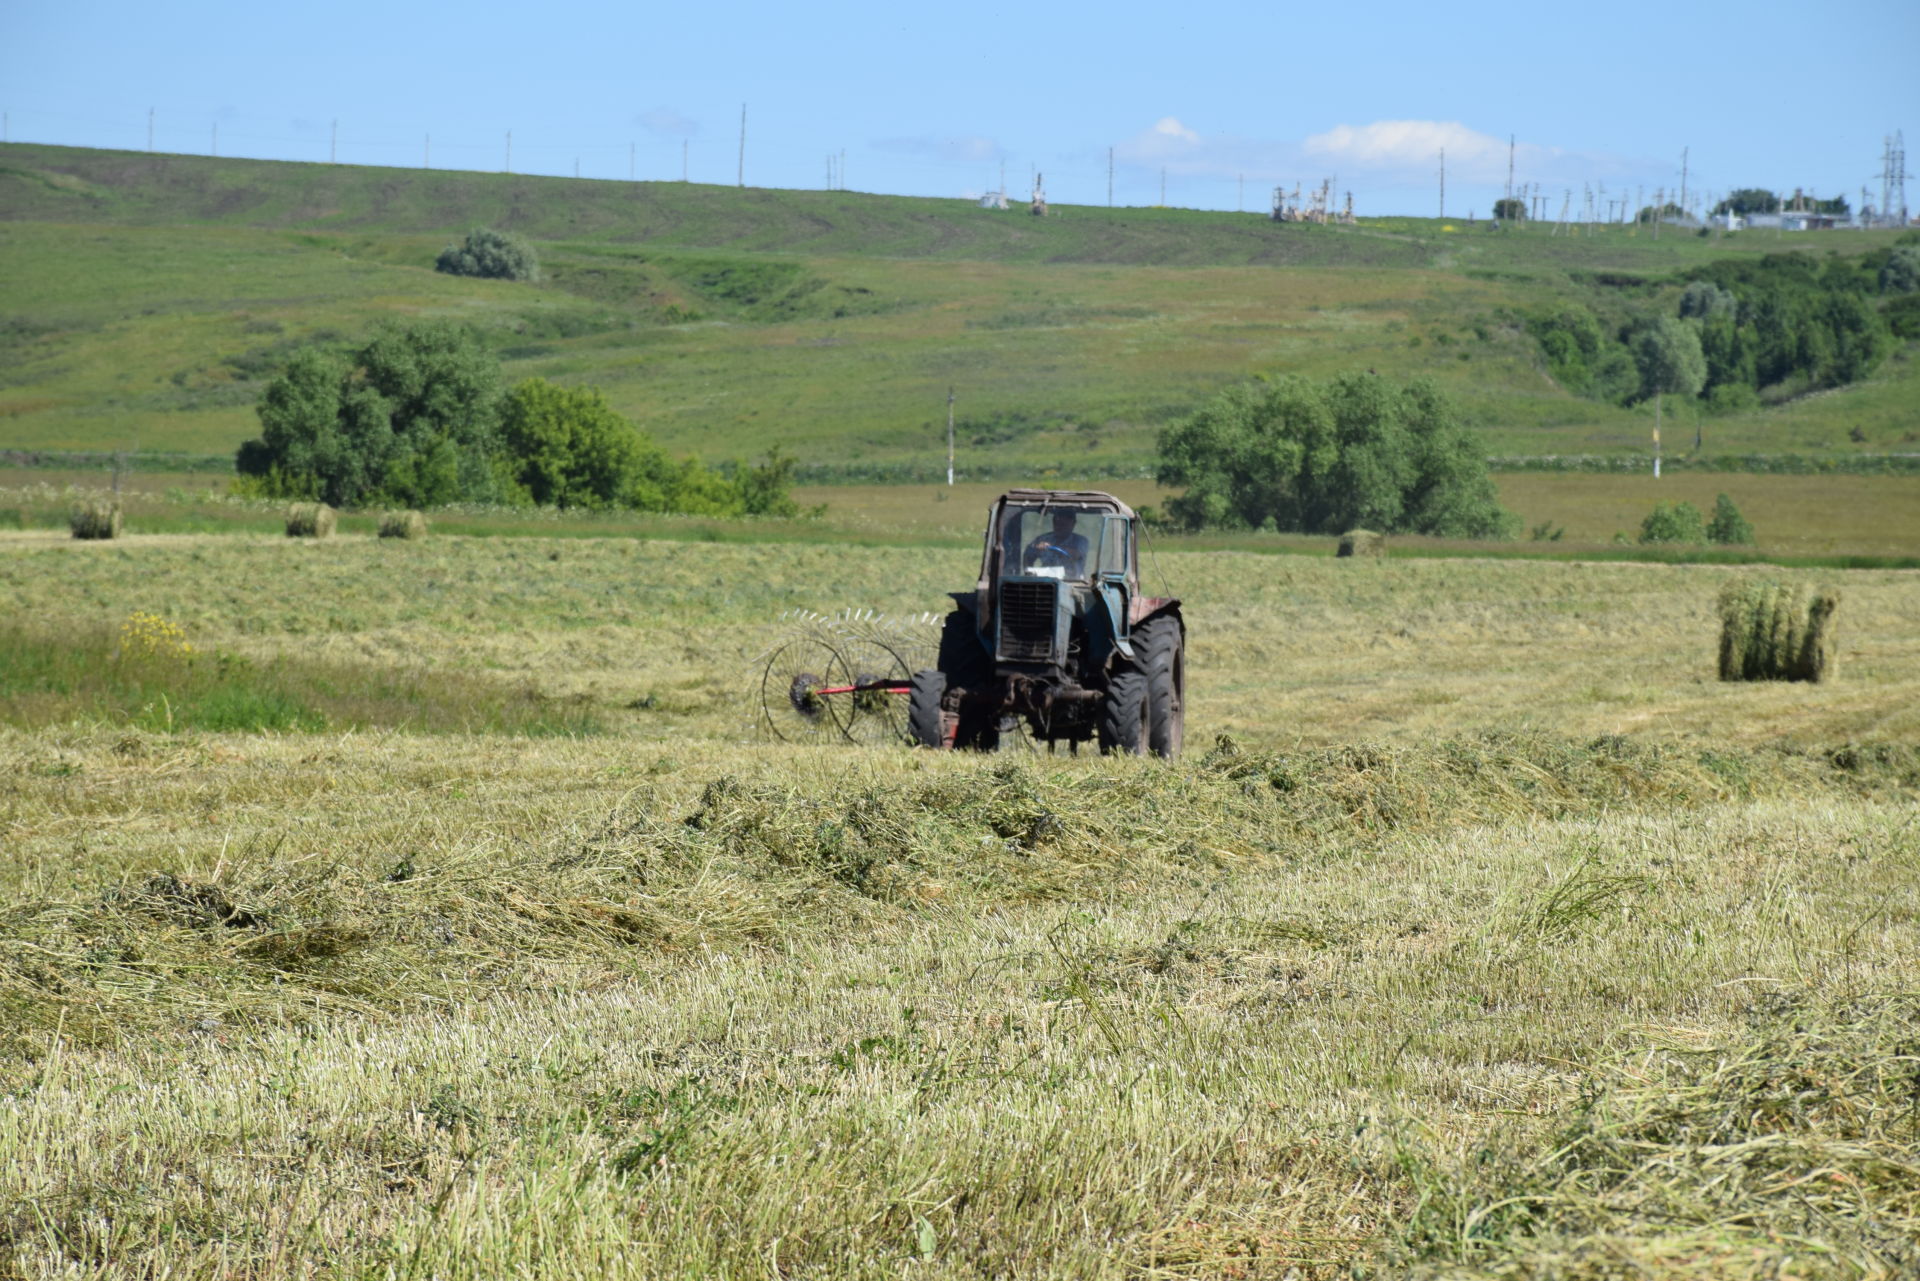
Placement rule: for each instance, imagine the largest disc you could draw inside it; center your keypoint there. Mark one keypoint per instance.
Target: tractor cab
(1058, 578)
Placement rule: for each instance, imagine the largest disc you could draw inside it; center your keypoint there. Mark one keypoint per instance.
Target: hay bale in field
(1362, 542)
(311, 520)
(94, 519)
(407, 524)
(1773, 631)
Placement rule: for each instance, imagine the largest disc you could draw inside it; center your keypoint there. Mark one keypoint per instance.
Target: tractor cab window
(1054, 542)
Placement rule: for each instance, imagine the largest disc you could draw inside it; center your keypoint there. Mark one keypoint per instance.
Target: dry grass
(1772, 631)
(311, 520)
(406, 524)
(95, 519)
(1362, 542)
(1562, 918)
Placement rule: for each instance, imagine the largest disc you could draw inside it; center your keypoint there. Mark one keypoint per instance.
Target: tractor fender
(1141, 608)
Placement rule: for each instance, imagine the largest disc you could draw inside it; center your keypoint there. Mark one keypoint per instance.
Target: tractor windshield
(1059, 542)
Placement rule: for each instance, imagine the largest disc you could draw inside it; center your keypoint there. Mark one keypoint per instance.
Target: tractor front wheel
(1123, 714)
(928, 723)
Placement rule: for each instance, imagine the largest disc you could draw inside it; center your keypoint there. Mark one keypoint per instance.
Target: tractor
(1056, 633)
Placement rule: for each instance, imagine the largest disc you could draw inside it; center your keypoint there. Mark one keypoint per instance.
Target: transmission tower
(1893, 181)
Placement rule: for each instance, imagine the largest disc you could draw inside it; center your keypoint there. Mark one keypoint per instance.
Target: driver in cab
(1059, 549)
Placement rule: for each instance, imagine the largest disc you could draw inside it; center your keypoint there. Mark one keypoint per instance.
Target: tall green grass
(55, 676)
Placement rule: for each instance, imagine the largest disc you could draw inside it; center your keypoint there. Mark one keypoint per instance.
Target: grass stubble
(1597, 995)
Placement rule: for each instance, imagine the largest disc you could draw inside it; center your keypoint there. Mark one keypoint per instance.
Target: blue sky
(935, 101)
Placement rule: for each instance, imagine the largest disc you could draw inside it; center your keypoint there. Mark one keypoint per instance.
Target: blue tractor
(1057, 634)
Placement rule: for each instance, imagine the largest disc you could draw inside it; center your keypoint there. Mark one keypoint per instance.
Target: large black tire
(1161, 644)
(1123, 714)
(929, 724)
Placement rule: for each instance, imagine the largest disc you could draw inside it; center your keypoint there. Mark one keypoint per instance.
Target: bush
(1902, 314)
(1728, 527)
(493, 255)
(1351, 453)
(1679, 523)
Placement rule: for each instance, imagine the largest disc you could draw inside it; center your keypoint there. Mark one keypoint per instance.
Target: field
(1482, 932)
(148, 298)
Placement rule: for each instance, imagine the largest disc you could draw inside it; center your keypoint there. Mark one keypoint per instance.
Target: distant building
(994, 200)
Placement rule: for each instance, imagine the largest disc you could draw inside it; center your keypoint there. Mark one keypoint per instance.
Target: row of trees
(1740, 327)
(420, 417)
(1352, 452)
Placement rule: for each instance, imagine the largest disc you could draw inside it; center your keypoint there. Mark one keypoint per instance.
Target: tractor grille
(1026, 620)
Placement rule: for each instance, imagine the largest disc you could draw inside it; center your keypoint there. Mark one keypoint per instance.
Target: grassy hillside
(147, 297)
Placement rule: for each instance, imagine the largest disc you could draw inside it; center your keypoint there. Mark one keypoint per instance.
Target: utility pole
(740, 179)
(949, 437)
(333, 144)
(1443, 183)
(1683, 180)
(1109, 177)
(840, 174)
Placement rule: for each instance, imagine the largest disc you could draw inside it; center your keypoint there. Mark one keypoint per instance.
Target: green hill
(147, 297)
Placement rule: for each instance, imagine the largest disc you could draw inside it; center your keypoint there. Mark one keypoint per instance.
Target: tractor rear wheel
(1123, 714)
(928, 723)
(966, 667)
(1161, 643)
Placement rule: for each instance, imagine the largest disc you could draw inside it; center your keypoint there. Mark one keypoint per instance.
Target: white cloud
(667, 122)
(1392, 144)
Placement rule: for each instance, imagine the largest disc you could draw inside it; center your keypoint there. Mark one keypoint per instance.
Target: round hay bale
(1362, 542)
(311, 520)
(94, 519)
(407, 524)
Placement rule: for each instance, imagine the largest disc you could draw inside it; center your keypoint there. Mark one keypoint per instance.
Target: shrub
(1771, 631)
(1728, 527)
(493, 255)
(1679, 523)
(1351, 453)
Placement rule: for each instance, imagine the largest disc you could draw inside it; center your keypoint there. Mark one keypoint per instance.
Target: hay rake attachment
(844, 676)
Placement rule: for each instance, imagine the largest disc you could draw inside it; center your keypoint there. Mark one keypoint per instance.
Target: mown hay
(1362, 542)
(407, 524)
(1795, 1139)
(94, 519)
(1772, 631)
(311, 520)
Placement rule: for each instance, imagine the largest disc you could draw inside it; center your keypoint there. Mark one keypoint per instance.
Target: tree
(1667, 353)
(1324, 458)
(1702, 299)
(568, 448)
(1510, 209)
(407, 419)
(1748, 200)
(1900, 273)
(1669, 210)
(1728, 527)
(1679, 523)
(491, 254)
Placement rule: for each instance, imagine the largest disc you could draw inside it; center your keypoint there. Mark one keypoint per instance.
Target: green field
(147, 298)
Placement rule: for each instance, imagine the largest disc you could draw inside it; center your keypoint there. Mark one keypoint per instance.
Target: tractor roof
(1082, 498)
